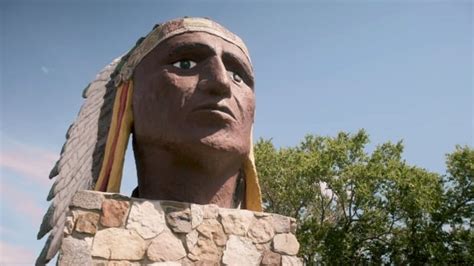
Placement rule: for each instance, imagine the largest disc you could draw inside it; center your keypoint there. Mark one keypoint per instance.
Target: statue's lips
(215, 108)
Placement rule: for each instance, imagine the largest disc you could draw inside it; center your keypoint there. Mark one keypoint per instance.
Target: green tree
(454, 220)
(355, 207)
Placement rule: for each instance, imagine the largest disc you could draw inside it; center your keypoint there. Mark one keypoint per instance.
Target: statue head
(189, 103)
(194, 91)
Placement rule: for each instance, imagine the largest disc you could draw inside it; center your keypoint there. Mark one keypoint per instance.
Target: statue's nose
(215, 79)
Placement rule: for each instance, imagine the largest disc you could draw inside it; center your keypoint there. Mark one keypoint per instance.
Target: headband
(169, 29)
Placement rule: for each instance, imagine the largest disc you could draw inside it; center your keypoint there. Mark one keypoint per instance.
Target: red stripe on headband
(123, 101)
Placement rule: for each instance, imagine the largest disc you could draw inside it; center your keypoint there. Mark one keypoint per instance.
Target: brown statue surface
(201, 87)
(185, 93)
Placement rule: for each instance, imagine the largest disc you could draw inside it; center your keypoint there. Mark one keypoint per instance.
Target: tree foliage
(355, 207)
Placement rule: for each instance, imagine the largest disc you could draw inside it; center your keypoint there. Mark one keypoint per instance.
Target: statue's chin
(189, 142)
(224, 142)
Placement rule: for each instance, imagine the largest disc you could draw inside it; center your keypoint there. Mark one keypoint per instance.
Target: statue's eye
(185, 64)
(235, 77)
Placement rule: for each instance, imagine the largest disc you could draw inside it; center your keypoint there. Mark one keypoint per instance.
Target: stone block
(179, 220)
(270, 258)
(186, 262)
(240, 251)
(286, 244)
(114, 213)
(167, 263)
(205, 251)
(261, 230)
(166, 247)
(212, 229)
(293, 225)
(281, 224)
(87, 222)
(291, 261)
(210, 211)
(197, 215)
(263, 246)
(74, 252)
(114, 263)
(69, 224)
(88, 200)
(236, 222)
(147, 218)
(191, 240)
(118, 244)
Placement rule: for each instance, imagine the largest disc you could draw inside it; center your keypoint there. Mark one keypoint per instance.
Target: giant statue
(185, 93)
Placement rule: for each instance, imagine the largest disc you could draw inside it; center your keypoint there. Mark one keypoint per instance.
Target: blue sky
(402, 70)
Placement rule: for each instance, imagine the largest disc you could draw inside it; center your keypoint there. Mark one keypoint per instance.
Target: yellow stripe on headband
(110, 176)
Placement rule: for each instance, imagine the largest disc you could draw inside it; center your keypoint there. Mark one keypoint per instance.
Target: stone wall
(111, 229)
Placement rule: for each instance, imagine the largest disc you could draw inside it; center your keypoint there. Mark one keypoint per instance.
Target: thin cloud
(30, 162)
(22, 203)
(4, 231)
(45, 69)
(14, 254)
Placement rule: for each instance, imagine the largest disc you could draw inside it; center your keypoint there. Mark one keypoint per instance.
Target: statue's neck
(208, 178)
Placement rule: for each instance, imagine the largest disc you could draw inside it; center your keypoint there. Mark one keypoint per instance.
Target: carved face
(194, 90)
